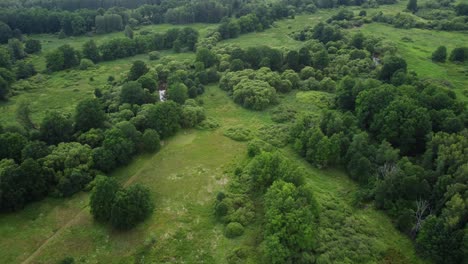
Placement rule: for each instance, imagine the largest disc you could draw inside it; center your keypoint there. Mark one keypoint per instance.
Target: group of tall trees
(66, 57)
(290, 213)
(62, 154)
(122, 207)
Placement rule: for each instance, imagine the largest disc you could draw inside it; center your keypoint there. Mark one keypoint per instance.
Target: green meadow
(184, 178)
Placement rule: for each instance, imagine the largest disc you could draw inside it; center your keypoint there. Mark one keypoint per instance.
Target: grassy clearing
(184, 178)
(278, 35)
(418, 52)
(63, 90)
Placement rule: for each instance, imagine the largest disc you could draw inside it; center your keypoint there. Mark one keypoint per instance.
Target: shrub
(238, 133)
(154, 55)
(254, 94)
(208, 124)
(440, 54)
(151, 141)
(459, 54)
(257, 146)
(86, 64)
(131, 206)
(234, 229)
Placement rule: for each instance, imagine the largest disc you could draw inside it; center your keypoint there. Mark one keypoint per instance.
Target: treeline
(63, 153)
(79, 17)
(289, 213)
(66, 57)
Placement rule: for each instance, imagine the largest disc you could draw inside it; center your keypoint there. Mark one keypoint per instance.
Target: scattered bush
(86, 64)
(154, 55)
(233, 230)
(238, 133)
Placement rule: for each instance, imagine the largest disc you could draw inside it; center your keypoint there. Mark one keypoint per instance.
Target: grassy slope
(184, 178)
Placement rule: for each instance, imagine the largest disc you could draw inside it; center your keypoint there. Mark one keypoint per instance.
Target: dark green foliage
(440, 54)
(207, 57)
(4, 88)
(90, 51)
(5, 33)
(412, 5)
(325, 33)
(89, 114)
(32, 46)
(148, 82)
(132, 93)
(461, 9)
(358, 40)
(55, 128)
(120, 147)
(55, 60)
(67, 260)
(404, 125)
(163, 117)
(177, 92)
(5, 58)
(391, 65)
(70, 56)
(150, 140)
(102, 197)
(128, 32)
(103, 159)
(11, 145)
(16, 49)
(131, 206)
(371, 101)
(64, 57)
(137, 70)
(22, 184)
(35, 150)
(438, 243)
(459, 54)
(24, 70)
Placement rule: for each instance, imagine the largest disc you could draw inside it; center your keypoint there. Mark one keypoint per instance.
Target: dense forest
(400, 136)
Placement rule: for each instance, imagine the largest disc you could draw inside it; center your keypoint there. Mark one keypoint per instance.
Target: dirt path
(70, 223)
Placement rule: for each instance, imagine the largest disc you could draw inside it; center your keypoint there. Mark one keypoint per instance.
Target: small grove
(289, 215)
(63, 154)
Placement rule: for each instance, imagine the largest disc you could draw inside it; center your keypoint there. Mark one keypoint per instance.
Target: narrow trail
(71, 222)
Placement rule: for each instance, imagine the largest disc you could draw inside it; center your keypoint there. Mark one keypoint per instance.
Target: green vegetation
(282, 132)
